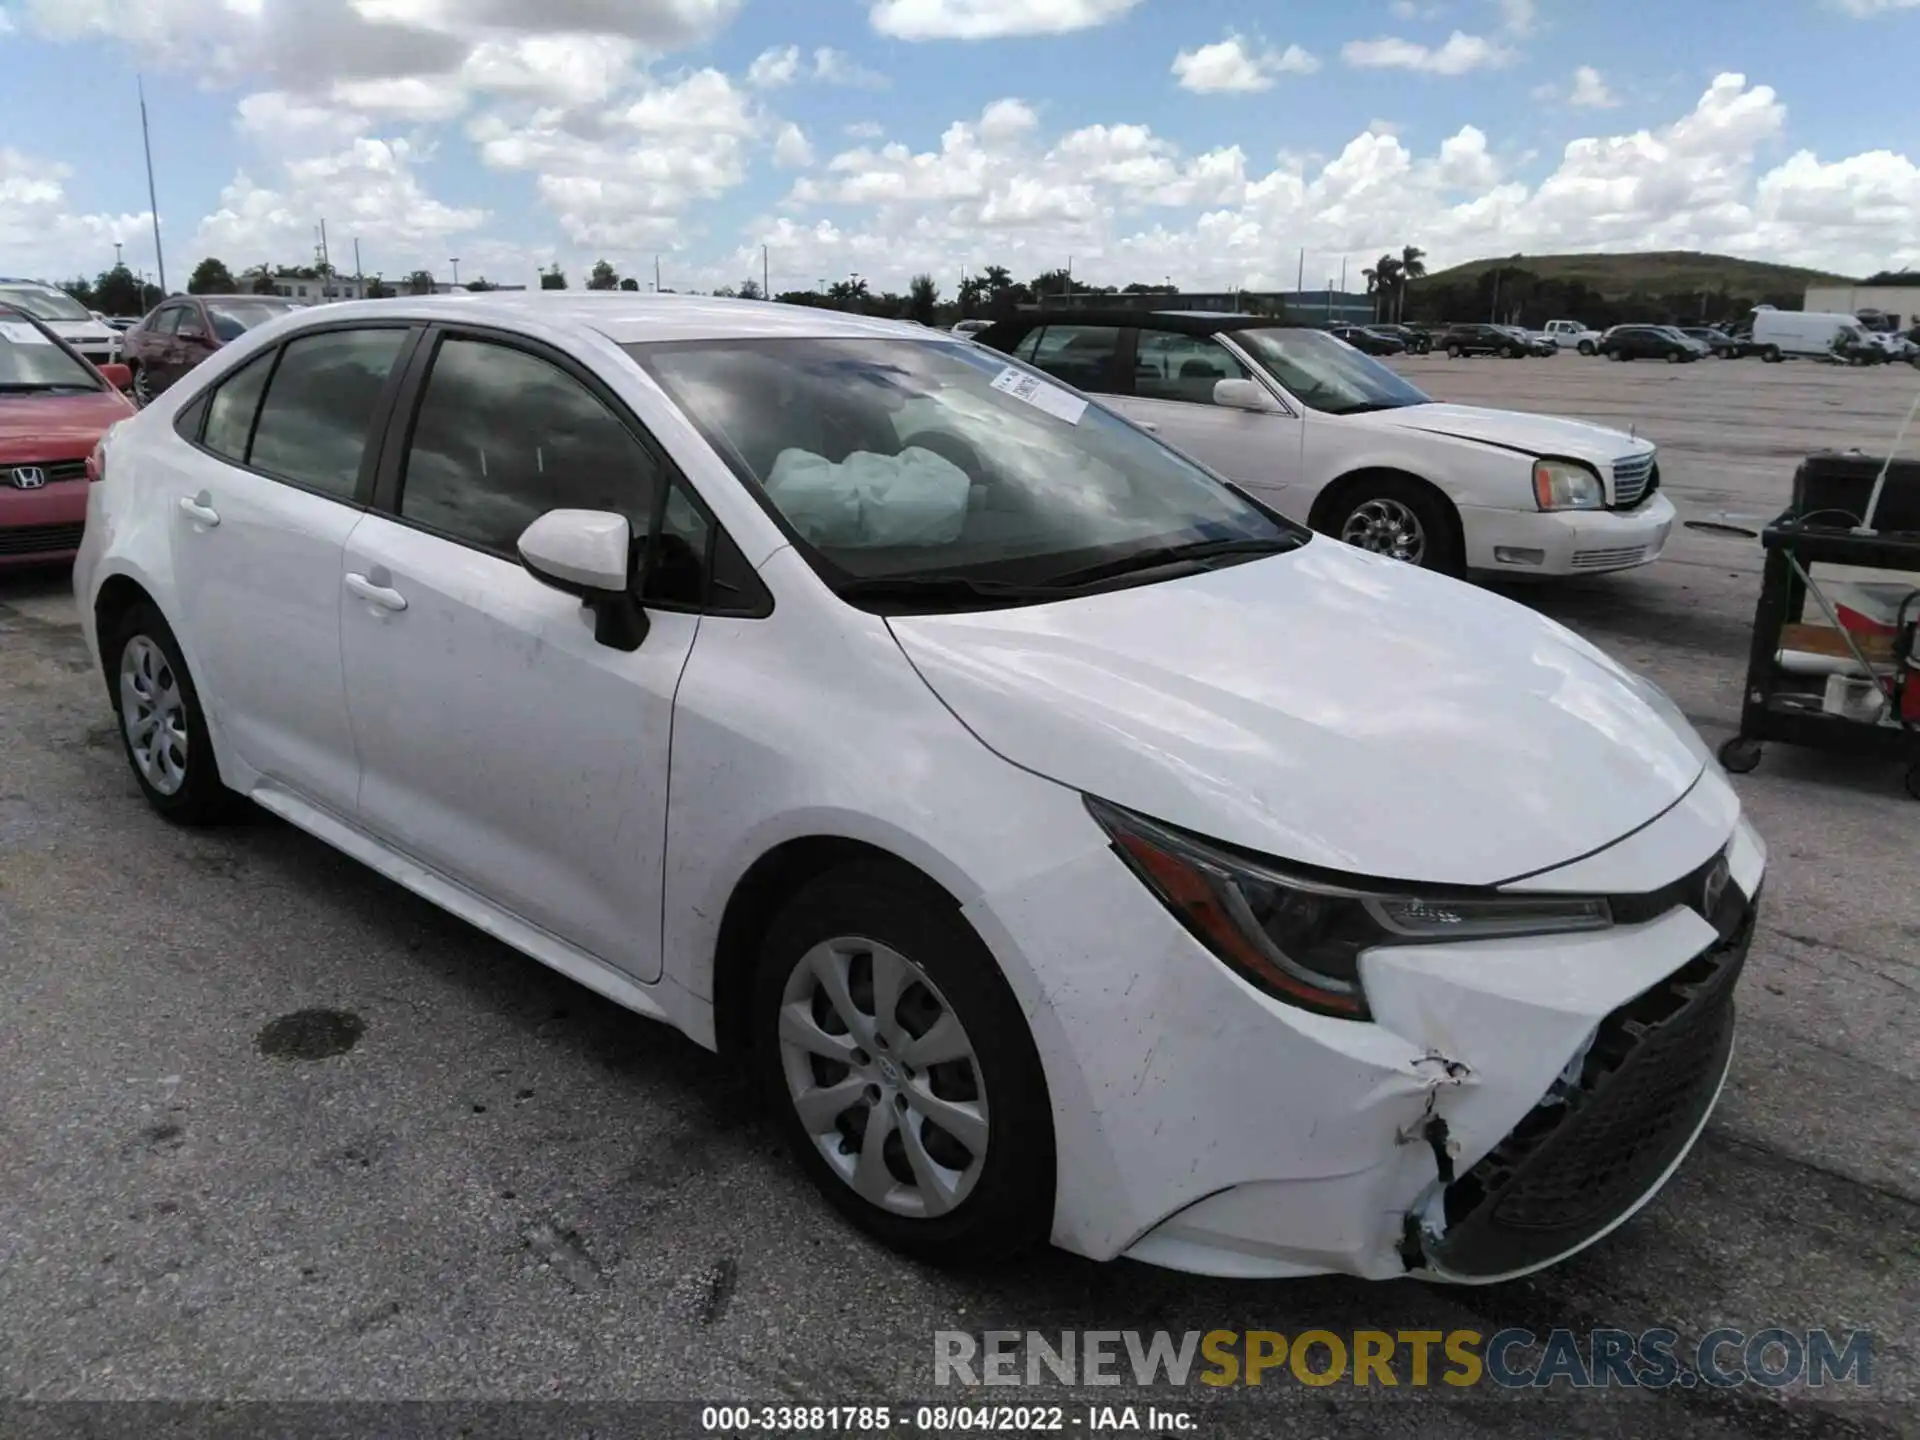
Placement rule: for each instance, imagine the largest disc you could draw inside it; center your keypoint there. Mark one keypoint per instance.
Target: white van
(1786, 334)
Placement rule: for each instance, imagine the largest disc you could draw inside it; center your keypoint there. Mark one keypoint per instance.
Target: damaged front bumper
(1511, 1102)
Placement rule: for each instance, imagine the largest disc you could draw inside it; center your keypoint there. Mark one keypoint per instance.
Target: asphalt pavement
(273, 1129)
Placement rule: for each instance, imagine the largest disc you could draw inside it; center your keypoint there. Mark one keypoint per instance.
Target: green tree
(1413, 266)
(1052, 282)
(750, 290)
(254, 280)
(973, 296)
(481, 286)
(604, 277)
(119, 292)
(553, 279)
(923, 299)
(378, 289)
(629, 284)
(420, 282)
(211, 277)
(81, 289)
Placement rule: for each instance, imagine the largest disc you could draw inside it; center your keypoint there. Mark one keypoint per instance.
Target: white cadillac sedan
(1076, 848)
(1336, 440)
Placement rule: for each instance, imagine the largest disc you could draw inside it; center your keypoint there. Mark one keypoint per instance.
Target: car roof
(626, 318)
(1186, 322)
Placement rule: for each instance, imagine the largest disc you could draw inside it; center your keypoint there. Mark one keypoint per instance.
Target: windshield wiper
(1162, 555)
(937, 587)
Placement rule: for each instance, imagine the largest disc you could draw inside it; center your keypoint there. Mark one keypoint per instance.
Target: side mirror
(1242, 395)
(117, 375)
(588, 553)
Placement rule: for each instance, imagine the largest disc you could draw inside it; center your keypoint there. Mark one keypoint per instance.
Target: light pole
(116, 254)
(455, 262)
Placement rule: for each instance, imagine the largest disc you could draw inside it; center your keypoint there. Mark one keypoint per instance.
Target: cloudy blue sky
(1207, 140)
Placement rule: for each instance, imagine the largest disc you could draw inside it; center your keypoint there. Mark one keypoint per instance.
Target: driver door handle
(1148, 426)
(200, 509)
(385, 596)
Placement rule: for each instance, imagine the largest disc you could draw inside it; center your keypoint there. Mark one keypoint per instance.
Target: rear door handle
(200, 509)
(1148, 426)
(385, 596)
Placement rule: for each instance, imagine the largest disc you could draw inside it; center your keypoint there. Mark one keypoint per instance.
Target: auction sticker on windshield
(20, 334)
(1042, 396)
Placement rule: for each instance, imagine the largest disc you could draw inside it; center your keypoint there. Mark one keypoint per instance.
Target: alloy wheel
(883, 1077)
(154, 714)
(1388, 527)
(142, 386)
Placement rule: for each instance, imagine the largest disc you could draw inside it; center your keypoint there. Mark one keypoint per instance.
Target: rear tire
(1586, 347)
(838, 1082)
(142, 386)
(1771, 354)
(162, 726)
(1454, 352)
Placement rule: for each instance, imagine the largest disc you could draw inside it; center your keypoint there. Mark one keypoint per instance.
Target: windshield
(233, 318)
(31, 360)
(937, 460)
(1327, 375)
(44, 304)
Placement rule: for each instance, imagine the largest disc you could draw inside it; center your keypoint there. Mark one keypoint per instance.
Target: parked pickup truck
(1573, 335)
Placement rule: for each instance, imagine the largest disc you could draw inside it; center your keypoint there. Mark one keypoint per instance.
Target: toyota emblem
(28, 477)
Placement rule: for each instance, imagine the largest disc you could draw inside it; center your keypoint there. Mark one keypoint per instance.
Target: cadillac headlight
(1567, 485)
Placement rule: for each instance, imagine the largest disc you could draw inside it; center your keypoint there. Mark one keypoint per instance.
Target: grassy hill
(1659, 272)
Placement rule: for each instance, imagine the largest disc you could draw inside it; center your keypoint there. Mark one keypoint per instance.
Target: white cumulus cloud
(1230, 64)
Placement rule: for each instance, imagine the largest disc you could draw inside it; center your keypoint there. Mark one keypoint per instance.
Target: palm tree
(1387, 274)
(1413, 266)
(1372, 276)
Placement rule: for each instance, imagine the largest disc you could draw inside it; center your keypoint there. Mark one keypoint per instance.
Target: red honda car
(54, 407)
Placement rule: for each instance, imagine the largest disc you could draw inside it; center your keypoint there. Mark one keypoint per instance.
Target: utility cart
(1833, 663)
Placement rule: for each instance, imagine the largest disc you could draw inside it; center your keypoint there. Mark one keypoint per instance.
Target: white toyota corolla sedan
(1076, 848)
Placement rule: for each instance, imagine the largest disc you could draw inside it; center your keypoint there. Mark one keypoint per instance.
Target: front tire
(1402, 519)
(1454, 352)
(1771, 355)
(1586, 347)
(143, 391)
(901, 1070)
(162, 726)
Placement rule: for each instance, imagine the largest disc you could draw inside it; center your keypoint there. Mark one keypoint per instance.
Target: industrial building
(1902, 302)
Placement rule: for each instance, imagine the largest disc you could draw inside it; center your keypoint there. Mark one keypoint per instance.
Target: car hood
(79, 329)
(57, 427)
(1514, 430)
(1328, 707)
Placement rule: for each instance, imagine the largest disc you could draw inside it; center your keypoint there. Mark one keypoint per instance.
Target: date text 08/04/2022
(943, 1419)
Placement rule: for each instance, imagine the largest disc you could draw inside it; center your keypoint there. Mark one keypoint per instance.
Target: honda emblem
(28, 477)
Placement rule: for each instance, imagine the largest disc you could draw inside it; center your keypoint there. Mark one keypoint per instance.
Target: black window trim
(403, 415)
(201, 406)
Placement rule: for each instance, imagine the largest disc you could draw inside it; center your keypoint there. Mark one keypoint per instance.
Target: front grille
(1631, 480)
(53, 470)
(40, 539)
(1614, 559)
(1598, 1142)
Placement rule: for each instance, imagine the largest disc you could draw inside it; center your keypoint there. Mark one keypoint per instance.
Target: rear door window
(318, 413)
(1081, 355)
(230, 413)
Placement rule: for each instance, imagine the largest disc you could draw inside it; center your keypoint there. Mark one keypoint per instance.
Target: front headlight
(1298, 937)
(1567, 485)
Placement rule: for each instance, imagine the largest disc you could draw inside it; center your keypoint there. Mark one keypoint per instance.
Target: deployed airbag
(868, 500)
